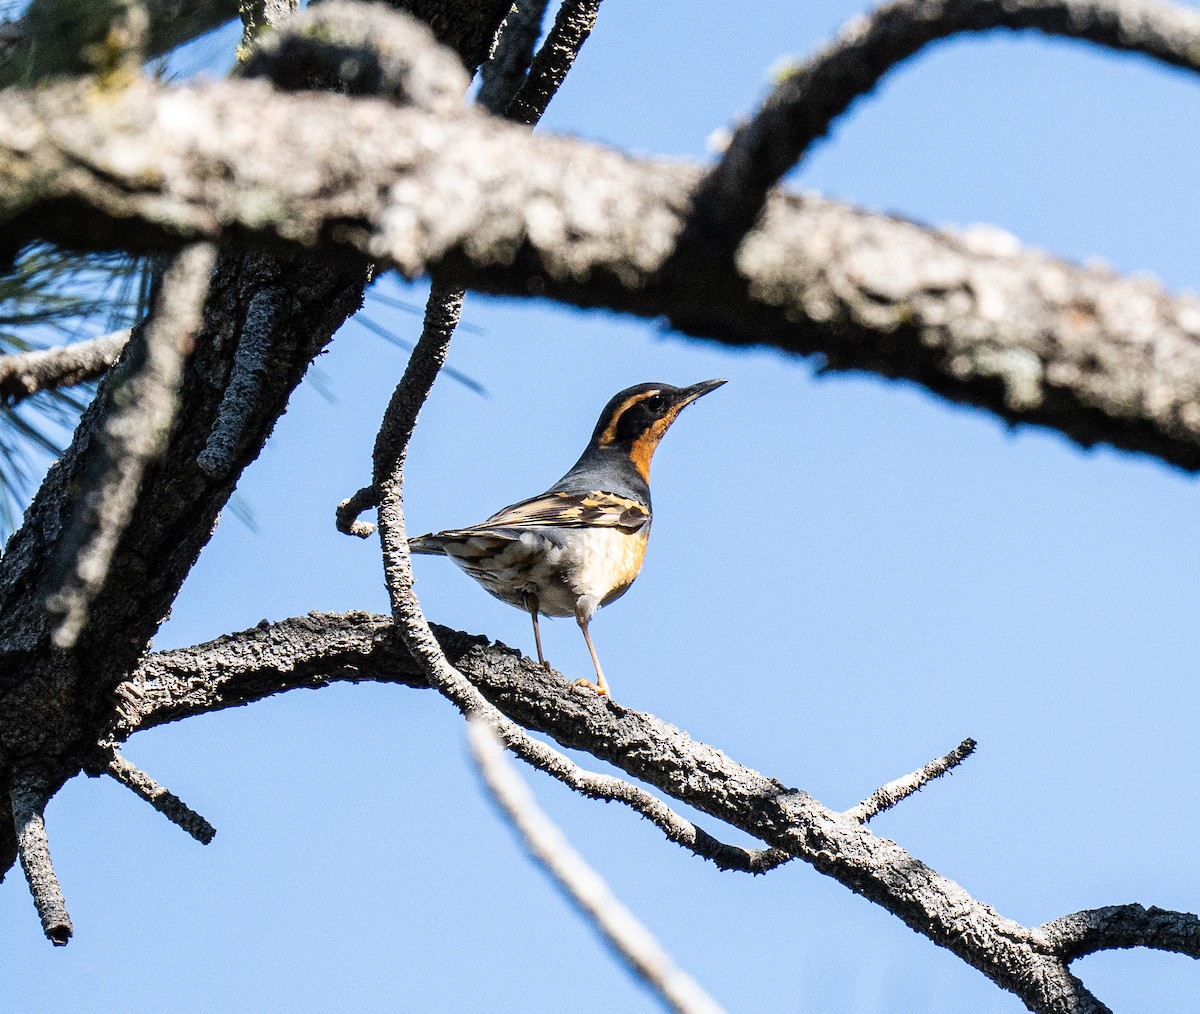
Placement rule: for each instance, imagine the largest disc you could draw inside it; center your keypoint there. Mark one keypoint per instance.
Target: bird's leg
(601, 685)
(531, 603)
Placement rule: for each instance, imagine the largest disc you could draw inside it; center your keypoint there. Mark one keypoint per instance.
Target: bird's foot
(600, 690)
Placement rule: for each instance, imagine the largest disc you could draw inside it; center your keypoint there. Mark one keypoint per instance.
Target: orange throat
(644, 446)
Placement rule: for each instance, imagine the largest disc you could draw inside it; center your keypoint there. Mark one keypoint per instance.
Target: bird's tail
(431, 544)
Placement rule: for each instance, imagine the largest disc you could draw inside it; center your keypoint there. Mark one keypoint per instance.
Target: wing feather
(593, 509)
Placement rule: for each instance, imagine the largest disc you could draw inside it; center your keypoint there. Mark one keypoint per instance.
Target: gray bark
(50, 699)
(972, 317)
(319, 648)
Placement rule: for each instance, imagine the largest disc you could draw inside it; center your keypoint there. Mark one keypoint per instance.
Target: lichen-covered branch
(813, 94)
(319, 648)
(971, 316)
(361, 49)
(26, 373)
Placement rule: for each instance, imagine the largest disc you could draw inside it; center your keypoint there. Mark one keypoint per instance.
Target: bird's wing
(593, 509)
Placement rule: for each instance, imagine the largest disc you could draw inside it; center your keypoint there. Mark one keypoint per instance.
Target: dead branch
(971, 317)
(505, 72)
(572, 25)
(550, 849)
(30, 793)
(26, 373)
(163, 800)
(812, 95)
(320, 648)
(1122, 926)
(897, 791)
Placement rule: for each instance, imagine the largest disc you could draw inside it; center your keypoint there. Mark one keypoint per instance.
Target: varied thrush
(579, 545)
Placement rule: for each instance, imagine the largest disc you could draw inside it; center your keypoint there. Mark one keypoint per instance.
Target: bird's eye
(656, 402)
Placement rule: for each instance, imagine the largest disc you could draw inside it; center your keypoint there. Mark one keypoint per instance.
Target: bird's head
(634, 421)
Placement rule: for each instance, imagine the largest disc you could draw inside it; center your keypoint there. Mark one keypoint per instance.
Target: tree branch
(1122, 926)
(572, 25)
(504, 73)
(350, 509)
(163, 800)
(319, 648)
(444, 305)
(30, 793)
(811, 96)
(971, 317)
(51, 701)
(550, 849)
(897, 791)
(172, 23)
(26, 373)
(144, 402)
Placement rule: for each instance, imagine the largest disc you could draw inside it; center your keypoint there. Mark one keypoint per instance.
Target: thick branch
(972, 317)
(1121, 926)
(26, 373)
(144, 400)
(806, 102)
(316, 649)
(47, 697)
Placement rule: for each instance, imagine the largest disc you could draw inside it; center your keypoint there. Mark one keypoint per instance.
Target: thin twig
(571, 29)
(29, 797)
(163, 800)
(897, 791)
(572, 25)
(548, 846)
(810, 97)
(145, 397)
(26, 373)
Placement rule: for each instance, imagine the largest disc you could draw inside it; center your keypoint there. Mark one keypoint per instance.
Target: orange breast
(624, 554)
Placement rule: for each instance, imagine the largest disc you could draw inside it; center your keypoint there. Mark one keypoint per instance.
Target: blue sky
(846, 578)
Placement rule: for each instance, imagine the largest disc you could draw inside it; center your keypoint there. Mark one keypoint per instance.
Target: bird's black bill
(690, 394)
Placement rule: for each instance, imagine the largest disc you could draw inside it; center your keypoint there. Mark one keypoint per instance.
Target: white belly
(572, 574)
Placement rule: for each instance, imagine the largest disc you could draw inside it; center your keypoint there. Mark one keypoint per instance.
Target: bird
(580, 544)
